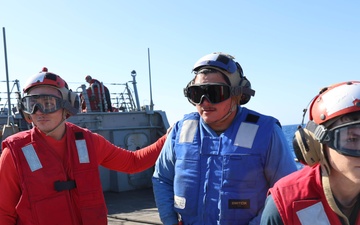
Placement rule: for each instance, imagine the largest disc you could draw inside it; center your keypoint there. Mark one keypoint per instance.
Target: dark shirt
(270, 215)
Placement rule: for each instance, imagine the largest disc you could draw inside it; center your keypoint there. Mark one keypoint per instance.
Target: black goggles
(213, 92)
(345, 139)
(45, 103)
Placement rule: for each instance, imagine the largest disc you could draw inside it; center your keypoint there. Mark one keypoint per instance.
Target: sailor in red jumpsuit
(327, 190)
(49, 174)
(98, 95)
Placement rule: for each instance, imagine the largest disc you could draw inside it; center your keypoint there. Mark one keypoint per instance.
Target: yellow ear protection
(308, 144)
(307, 148)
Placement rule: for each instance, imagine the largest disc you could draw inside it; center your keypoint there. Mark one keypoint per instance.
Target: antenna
(7, 79)
(305, 111)
(8, 129)
(151, 101)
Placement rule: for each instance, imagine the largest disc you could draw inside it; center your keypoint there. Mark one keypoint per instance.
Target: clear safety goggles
(45, 103)
(345, 139)
(213, 92)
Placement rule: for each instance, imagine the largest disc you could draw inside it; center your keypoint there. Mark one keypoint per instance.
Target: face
(46, 122)
(346, 166)
(88, 79)
(212, 114)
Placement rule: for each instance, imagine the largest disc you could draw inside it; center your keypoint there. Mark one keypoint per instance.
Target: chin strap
(50, 132)
(325, 172)
(61, 122)
(232, 109)
(329, 195)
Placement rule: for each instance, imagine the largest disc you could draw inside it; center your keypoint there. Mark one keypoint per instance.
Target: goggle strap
(185, 90)
(242, 90)
(67, 105)
(320, 132)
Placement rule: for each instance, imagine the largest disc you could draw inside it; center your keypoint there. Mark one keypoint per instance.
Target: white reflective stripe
(82, 151)
(246, 135)
(31, 157)
(179, 202)
(188, 131)
(314, 214)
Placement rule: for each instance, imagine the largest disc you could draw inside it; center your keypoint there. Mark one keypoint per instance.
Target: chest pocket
(245, 169)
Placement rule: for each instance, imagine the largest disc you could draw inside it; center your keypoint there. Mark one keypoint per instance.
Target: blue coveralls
(210, 179)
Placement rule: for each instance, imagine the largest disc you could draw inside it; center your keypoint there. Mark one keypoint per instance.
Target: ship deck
(132, 207)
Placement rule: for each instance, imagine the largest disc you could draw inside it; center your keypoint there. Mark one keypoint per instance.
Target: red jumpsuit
(299, 198)
(34, 166)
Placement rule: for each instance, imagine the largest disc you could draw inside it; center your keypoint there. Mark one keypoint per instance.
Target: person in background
(99, 95)
(218, 163)
(327, 191)
(49, 174)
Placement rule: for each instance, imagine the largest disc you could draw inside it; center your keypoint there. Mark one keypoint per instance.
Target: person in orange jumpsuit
(96, 93)
(49, 174)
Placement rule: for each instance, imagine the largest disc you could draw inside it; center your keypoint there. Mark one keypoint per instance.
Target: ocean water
(289, 131)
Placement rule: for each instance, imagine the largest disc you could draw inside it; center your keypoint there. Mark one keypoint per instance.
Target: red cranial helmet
(72, 101)
(334, 101)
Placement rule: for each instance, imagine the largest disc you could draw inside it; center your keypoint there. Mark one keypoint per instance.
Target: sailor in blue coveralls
(218, 163)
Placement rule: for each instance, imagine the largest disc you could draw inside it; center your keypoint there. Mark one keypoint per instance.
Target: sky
(288, 50)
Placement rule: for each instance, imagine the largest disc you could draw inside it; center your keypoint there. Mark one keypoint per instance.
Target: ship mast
(7, 79)
(151, 100)
(9, 128)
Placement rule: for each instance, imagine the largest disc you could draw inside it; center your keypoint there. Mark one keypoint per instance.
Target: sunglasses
(213, 92)
(45, 103)
(345, 139)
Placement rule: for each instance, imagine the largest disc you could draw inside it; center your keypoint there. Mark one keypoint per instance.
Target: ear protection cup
(74, 99)
(245, 98)
(19, 107)
(73, 103)
(307, 149)
(244, 83)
